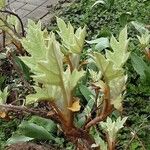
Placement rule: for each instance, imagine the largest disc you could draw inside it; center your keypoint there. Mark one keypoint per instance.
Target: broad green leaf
(94, 41)
(34, 43)
(147, 77)
(34, 131)
(47, 92)
(46, 58)
(101, 43)
(74, 78)
(81, 118)
(71, 78)
(117, 86)
(139, 27)
(51, 67)
(23, 67)
(71, 40)
(139, 65)
(119, 55)
(108, 70)
(85, 92)
(112, 127)
(18, 138)
(48, 124)
(41, 93)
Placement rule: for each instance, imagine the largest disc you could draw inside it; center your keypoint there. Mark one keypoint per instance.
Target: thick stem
(99, 118)
(111, 143)
(80, 138)
(106, 110)
(70, 98)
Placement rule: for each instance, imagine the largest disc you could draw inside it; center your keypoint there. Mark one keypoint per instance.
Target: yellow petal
(75, 106)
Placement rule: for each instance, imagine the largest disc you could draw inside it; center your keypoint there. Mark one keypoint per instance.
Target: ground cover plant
(78, 92)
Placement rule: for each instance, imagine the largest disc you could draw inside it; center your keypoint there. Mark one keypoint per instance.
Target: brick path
(31, 9)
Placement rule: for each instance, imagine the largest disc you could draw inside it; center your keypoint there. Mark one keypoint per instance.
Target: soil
(29, 146)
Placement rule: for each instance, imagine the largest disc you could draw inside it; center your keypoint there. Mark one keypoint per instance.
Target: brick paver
(31, 9)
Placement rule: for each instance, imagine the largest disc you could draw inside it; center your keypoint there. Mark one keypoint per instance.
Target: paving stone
(16, 5)
(9, 1)
(34, 2)
(32, 9)
(37, 13)
(25, 20)
(29, 7)
(46, 19)
(22, 13)
(50, 2)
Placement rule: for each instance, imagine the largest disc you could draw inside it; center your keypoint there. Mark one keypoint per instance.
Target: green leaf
(18, 138)
(101, 43)
(108, 70)
(74, 78)
(51, 67)
(41, 93)
(34, 131)
(85, 92)
(144, 39)
(72, 41)
(147, 76)
(24, 68)
(139, 27)
(46, 58)
(112, 127)
(95, 76)
(3, 95)
(119, 55)
(48, 124)
(81, 118)
(47, 92)
(124, 18)
(98, 140)
(2, 4)
(117, 86)
(139, 65)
